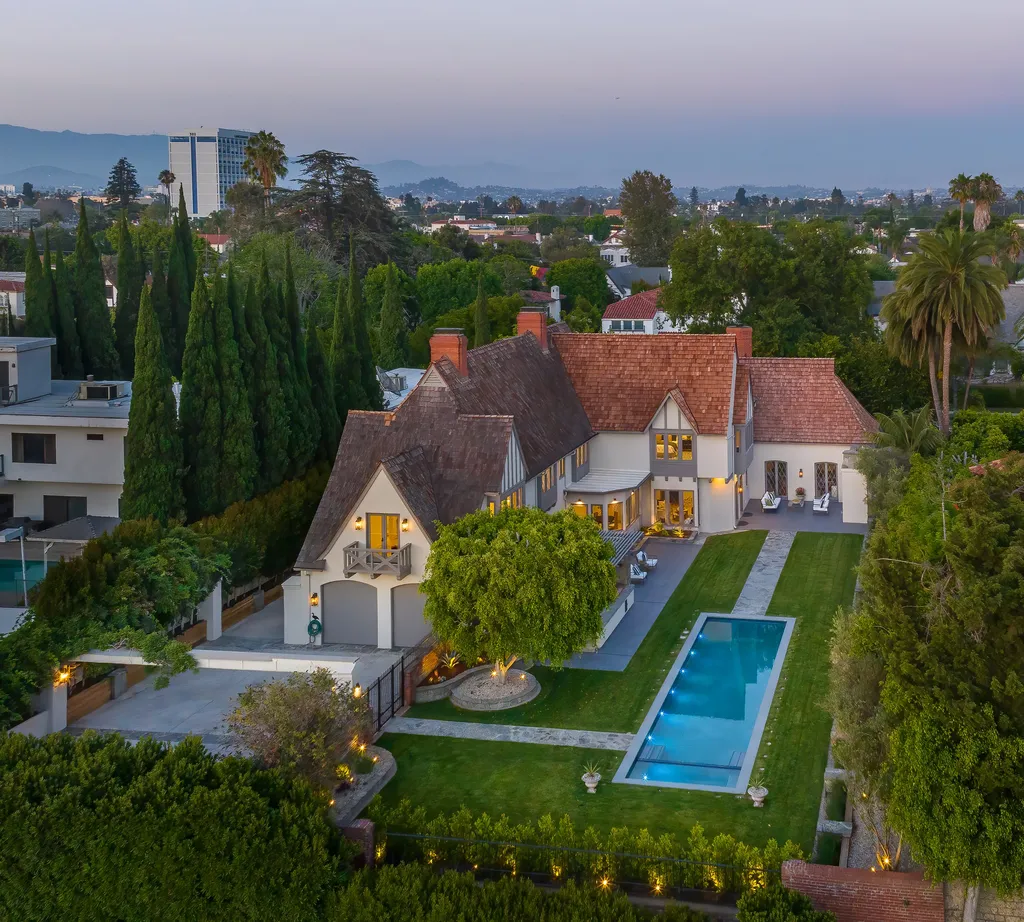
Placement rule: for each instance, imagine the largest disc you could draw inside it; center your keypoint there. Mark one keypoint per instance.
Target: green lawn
(587, 699)
(525, 781)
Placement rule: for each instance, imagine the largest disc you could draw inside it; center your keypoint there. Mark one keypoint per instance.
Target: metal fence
(386, 696)
(634, 873)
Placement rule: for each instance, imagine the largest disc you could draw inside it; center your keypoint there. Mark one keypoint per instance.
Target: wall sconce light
(801, 472)
(359, 523)
(357, 691)
(314, 599)
(405, 524)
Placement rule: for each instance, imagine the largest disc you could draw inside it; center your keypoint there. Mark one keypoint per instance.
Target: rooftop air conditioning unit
(93, 390)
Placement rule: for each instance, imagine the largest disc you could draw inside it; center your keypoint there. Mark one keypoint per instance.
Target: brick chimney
(534, 321)
(744, 341)
(450, 342)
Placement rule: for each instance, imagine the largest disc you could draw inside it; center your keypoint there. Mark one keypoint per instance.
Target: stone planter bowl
(591, 780)
(757, 794)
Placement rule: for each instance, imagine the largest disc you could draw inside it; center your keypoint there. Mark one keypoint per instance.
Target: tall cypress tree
(346, 383)
(323, 396)
(50, 316)
(153, 457)
(271, 416)
(361, 336)
(180, 302)
(161, 303)
(391, 333)
(183, 234)
(37, 292)
(238, 446)
(92, 315)
(247, 349)
(306, 416)
(69, 346)
(200, 413)
(130, 279)
(481, 322)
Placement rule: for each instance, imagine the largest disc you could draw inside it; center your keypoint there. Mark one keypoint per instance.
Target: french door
(826, 479)
(776, 478)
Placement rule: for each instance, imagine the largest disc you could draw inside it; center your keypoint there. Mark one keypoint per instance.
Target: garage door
(409, 624)
(349, 612)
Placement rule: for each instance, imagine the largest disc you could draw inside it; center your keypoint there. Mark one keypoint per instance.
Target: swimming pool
(705, 725)
(10, 574)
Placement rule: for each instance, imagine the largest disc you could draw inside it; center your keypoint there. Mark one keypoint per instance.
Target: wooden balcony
(359, 559)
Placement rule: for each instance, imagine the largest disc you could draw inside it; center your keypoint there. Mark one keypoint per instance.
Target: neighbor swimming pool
(705, 725)
(10, 574)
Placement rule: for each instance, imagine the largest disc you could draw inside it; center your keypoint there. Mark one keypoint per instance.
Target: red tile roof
(622, 378)
(216, 240)
(536, 297)
(641, 306)
(802, 400)
(11, 285)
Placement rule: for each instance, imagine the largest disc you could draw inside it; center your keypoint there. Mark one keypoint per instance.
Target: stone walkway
(764, 575)
(504, 733)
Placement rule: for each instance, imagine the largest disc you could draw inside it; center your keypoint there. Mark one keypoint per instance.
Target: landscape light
(357, 692)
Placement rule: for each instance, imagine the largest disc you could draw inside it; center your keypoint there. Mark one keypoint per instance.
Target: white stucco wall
(100, 499)
(855, 495)
(714, 459)
(717, 503)
(620, 451)
(797, 457)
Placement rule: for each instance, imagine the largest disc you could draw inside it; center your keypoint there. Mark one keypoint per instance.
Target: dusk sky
(877, 92)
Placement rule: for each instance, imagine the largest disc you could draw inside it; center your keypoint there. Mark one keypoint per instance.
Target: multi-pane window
(597, 514)
(615, 516)
(514, 500)
(673, 507)
(616, 326)
(673, 446)
(561, 468)
(547, 479)
(34, 448)
(382, 531)
(581, 455)
(631, 506)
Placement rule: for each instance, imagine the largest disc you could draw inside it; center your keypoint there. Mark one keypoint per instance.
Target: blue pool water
(706, 721)
(10, 574)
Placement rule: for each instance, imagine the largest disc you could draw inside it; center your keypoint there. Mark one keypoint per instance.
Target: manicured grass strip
(525, 781)
(587, 699)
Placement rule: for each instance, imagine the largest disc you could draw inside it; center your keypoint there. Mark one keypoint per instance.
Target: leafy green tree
(265, 162)
(238, 464)
(391, 332)
(580, 278)
(37, 294)
(513, 272)
(777, 904)
(740, 198)
(153, 456)
(520, 584)
(368, 380)
(912, 433)
(241, 842)
(69, 346)
(323, 397)
(482, 325)
(201, 419)
(122, 184)
(449, 286)
(91, 313)
(374, 286)
(131, 276)
(598, 226)
(584, 317)
(267, 398)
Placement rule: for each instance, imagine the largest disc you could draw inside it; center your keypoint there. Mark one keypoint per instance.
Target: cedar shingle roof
(441, 462)
(641, 306)
(515, 377)
(803, 400)
(739, 413)
(622, 378)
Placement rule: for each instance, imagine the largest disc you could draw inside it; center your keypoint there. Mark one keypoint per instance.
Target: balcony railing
(375, 561)
(8, 394)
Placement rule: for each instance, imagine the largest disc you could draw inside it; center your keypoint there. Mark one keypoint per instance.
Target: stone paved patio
(546, 736)
(796, 518)
(764, 575)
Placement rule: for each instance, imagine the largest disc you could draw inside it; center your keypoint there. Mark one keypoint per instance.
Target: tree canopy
(648, 205)
(122, 184)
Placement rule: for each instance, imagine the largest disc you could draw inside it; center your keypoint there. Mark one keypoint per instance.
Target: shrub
(777, 904)
(98, 828)
(1001, 396)
(398, 894)
(305, 724)
(721, 864)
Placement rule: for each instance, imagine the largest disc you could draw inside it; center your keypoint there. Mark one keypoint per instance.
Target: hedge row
(721, 864)
(1001, 396)
(97, 828)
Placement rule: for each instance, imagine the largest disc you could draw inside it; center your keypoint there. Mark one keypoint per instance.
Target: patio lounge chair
(821, 505)
(636, 574)
(770, 502)
(647, 562)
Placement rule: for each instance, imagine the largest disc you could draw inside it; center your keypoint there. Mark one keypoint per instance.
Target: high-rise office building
(206, 162)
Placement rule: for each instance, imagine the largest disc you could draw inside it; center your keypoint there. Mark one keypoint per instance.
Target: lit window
(686, 447)
(382, 531)
(597, 514)
(561, 468)
(615, 516)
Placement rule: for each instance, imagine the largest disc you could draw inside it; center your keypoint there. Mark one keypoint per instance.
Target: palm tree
(896, 234)
(960, 190)
(166, 179)
(1018, 197)
(265, 162)
(984, 190)
(912, 433)
(514, 204)
(945, 294)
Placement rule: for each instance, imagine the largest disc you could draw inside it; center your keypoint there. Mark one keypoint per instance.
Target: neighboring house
(109, 266)
(625, 429)
(466, 224)
(397, 383)
(614, 250)
(61, 442)
(18, 218)
(638, 313)
(219, 243)
(622, 278)
(550, 301)
(1013, 301)
(12, 294)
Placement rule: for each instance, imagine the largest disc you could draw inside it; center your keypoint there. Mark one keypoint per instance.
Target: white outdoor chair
(770, 502)
(649, 562)
(821, 505)
(636, 574)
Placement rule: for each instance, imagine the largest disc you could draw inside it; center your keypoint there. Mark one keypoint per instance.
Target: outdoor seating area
(820, 506)
(770, 502)
(637, 574)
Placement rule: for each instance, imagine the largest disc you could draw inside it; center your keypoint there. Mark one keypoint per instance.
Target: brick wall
(991, 906)
(865, 896)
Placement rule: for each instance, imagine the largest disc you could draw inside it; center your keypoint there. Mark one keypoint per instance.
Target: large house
(626, 429)
(639, 313)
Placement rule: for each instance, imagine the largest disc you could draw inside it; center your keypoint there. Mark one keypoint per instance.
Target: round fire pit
(483, 692)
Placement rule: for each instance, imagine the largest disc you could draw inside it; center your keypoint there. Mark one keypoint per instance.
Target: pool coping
(759, 724)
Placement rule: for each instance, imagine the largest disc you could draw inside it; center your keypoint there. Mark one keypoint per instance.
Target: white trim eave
(68, 422)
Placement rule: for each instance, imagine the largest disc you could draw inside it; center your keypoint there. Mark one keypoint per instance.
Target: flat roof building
(206, 162)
